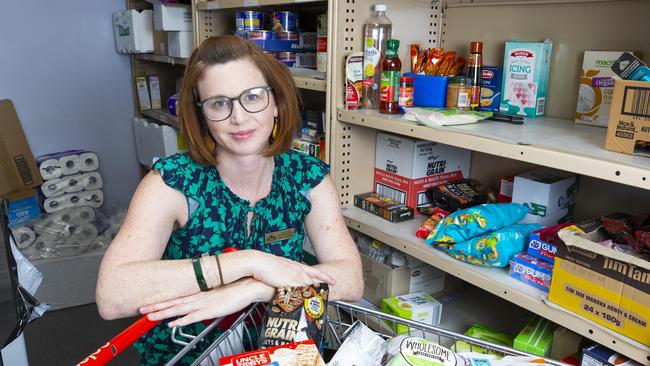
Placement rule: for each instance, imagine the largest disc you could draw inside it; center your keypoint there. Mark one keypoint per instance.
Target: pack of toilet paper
(70, 162)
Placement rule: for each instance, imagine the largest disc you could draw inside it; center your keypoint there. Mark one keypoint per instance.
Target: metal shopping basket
(244, 331)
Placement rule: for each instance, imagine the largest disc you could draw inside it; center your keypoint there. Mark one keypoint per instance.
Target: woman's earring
(274, 134)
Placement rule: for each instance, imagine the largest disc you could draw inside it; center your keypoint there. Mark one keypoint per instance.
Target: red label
(521, 54)
(351, 96)
(321, 44)
(487, 74)
(252, 359)
(413, 187)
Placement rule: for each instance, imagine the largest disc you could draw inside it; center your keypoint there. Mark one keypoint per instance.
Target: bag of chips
(295, 314)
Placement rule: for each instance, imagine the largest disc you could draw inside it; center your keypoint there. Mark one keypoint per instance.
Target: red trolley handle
(120, 342)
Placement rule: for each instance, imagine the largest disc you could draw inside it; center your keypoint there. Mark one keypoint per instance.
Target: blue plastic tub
(429, 91)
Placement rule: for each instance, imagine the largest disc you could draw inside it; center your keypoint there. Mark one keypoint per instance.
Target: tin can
(285, 21)
(249, 20)
(286, 36)
(287, 58)
(260, 35)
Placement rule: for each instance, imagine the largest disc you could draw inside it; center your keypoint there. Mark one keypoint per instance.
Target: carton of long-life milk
(526, 67)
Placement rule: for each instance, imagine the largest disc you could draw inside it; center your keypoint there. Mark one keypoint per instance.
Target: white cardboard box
(172, 17)
(405, 168)
(549, 194)
(596, 87)
(181, 44)
(153, 140)
(133, 31)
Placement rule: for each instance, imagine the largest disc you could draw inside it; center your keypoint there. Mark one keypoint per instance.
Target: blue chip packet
(465, 224)
(493, 249)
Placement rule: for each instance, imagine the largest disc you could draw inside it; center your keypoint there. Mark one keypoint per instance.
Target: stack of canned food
(277, 34)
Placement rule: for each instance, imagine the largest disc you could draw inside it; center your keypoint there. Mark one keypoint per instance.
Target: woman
(240, 186)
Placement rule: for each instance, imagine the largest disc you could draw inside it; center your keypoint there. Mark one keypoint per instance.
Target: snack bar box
(296, 353)
(601, 284)
(405, 168)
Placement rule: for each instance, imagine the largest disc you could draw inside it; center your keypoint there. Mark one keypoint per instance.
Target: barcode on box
(390, 192)
(306, 60)
(636, 102)
(541, 104)
(23, 169)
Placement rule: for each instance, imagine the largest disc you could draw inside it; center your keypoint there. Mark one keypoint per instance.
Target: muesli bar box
(601, 284)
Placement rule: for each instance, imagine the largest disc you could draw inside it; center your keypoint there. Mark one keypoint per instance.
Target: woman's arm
(132, 273)
(334, 247)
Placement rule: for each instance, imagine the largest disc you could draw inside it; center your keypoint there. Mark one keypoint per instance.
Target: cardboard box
(536, 337)
(526, 69)
(599, 355)
(172, 17)
(19, 169)
(542, 243)
(629, 118)
(143, 92)
(383, 207)
(596, 87)
(531, 271)
(296, 353)
(382, 281)
(419, 306)
(549, 194)
(133, 31)
(565, 343)
(22, 207)
(181, 44)
(405, 168)
(491, 88)
(506, 185)
(601, 284)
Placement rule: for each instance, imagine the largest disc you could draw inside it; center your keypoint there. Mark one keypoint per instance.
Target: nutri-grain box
(405, 168)
(526, 67)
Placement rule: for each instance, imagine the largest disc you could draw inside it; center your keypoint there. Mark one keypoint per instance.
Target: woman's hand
(277, 271)
(211, 304)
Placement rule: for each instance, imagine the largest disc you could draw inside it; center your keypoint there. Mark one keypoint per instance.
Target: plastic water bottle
(377, 30)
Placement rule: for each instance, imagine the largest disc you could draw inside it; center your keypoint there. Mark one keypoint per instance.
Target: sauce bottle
(391, 69)
(474, 73)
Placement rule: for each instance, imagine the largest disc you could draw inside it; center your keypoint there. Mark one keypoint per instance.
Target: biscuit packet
(295, 314)
(302, 353)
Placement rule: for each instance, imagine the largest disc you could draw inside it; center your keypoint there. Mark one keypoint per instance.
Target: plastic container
(429, 91)
(377, 29)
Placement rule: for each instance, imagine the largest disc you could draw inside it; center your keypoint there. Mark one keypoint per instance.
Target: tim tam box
(601, 284)
(629, 118)
(405, 168)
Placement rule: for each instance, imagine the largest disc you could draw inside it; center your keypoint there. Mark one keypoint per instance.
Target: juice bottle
(377, 30)
(391, 69)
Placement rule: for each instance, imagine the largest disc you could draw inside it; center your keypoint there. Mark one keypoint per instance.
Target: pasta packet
(295, 314)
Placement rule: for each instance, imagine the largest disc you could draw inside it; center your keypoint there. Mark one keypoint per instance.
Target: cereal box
(526, 70)
(596, 87)
(354, 80)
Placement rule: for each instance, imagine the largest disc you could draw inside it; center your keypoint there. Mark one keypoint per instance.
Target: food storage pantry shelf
(308, 79)
(162, 116)
(229, 4)
(162, 59)
(495, 280)
(552, 142)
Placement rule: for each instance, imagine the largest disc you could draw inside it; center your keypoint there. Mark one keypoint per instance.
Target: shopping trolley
(242, 333)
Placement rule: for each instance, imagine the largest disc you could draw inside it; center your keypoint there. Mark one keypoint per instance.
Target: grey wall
(70, 88)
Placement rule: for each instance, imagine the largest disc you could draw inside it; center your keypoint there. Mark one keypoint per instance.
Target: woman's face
(243, 133)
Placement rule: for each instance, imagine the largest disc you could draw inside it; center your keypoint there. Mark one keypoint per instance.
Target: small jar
(406, 91)
(459, 92)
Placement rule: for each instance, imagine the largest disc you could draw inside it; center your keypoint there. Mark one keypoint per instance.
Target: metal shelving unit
(162, 116)
(230, 4)
(161, 59)
(498, 148)
(309, 79)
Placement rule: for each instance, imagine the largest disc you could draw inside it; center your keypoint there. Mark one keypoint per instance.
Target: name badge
(279, 235)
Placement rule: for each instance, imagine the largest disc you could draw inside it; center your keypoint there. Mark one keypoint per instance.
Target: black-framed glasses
(219, 108)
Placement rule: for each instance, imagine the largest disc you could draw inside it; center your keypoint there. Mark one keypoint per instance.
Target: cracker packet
(295, 314)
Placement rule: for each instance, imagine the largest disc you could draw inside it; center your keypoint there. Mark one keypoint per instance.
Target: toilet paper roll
(91, 181)
(43, 247)
(83, 214)
(53, 187)
(89, 162)
(50, 169)
(84, 234)
(73, 183)
(58, 203)
(94, 198)
(24, 236)
(70, 164)
(55, 230)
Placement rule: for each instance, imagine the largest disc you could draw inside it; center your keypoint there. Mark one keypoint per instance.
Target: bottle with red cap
(405, 92)
(474, 73)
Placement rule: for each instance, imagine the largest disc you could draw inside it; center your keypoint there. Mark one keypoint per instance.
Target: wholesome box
(596, 87)
(405, 168)
(302, 353)
(629, 119)
(602, 284)
(526, 68)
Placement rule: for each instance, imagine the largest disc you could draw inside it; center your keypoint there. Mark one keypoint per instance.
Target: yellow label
(314, 306)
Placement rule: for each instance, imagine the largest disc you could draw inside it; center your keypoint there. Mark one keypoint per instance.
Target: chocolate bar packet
(460, 194)
(295, 314)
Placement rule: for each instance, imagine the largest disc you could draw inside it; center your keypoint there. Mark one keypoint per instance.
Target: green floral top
(218, 219)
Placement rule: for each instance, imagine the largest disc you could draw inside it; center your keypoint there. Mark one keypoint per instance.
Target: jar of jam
(406, 91)
(459, 92)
